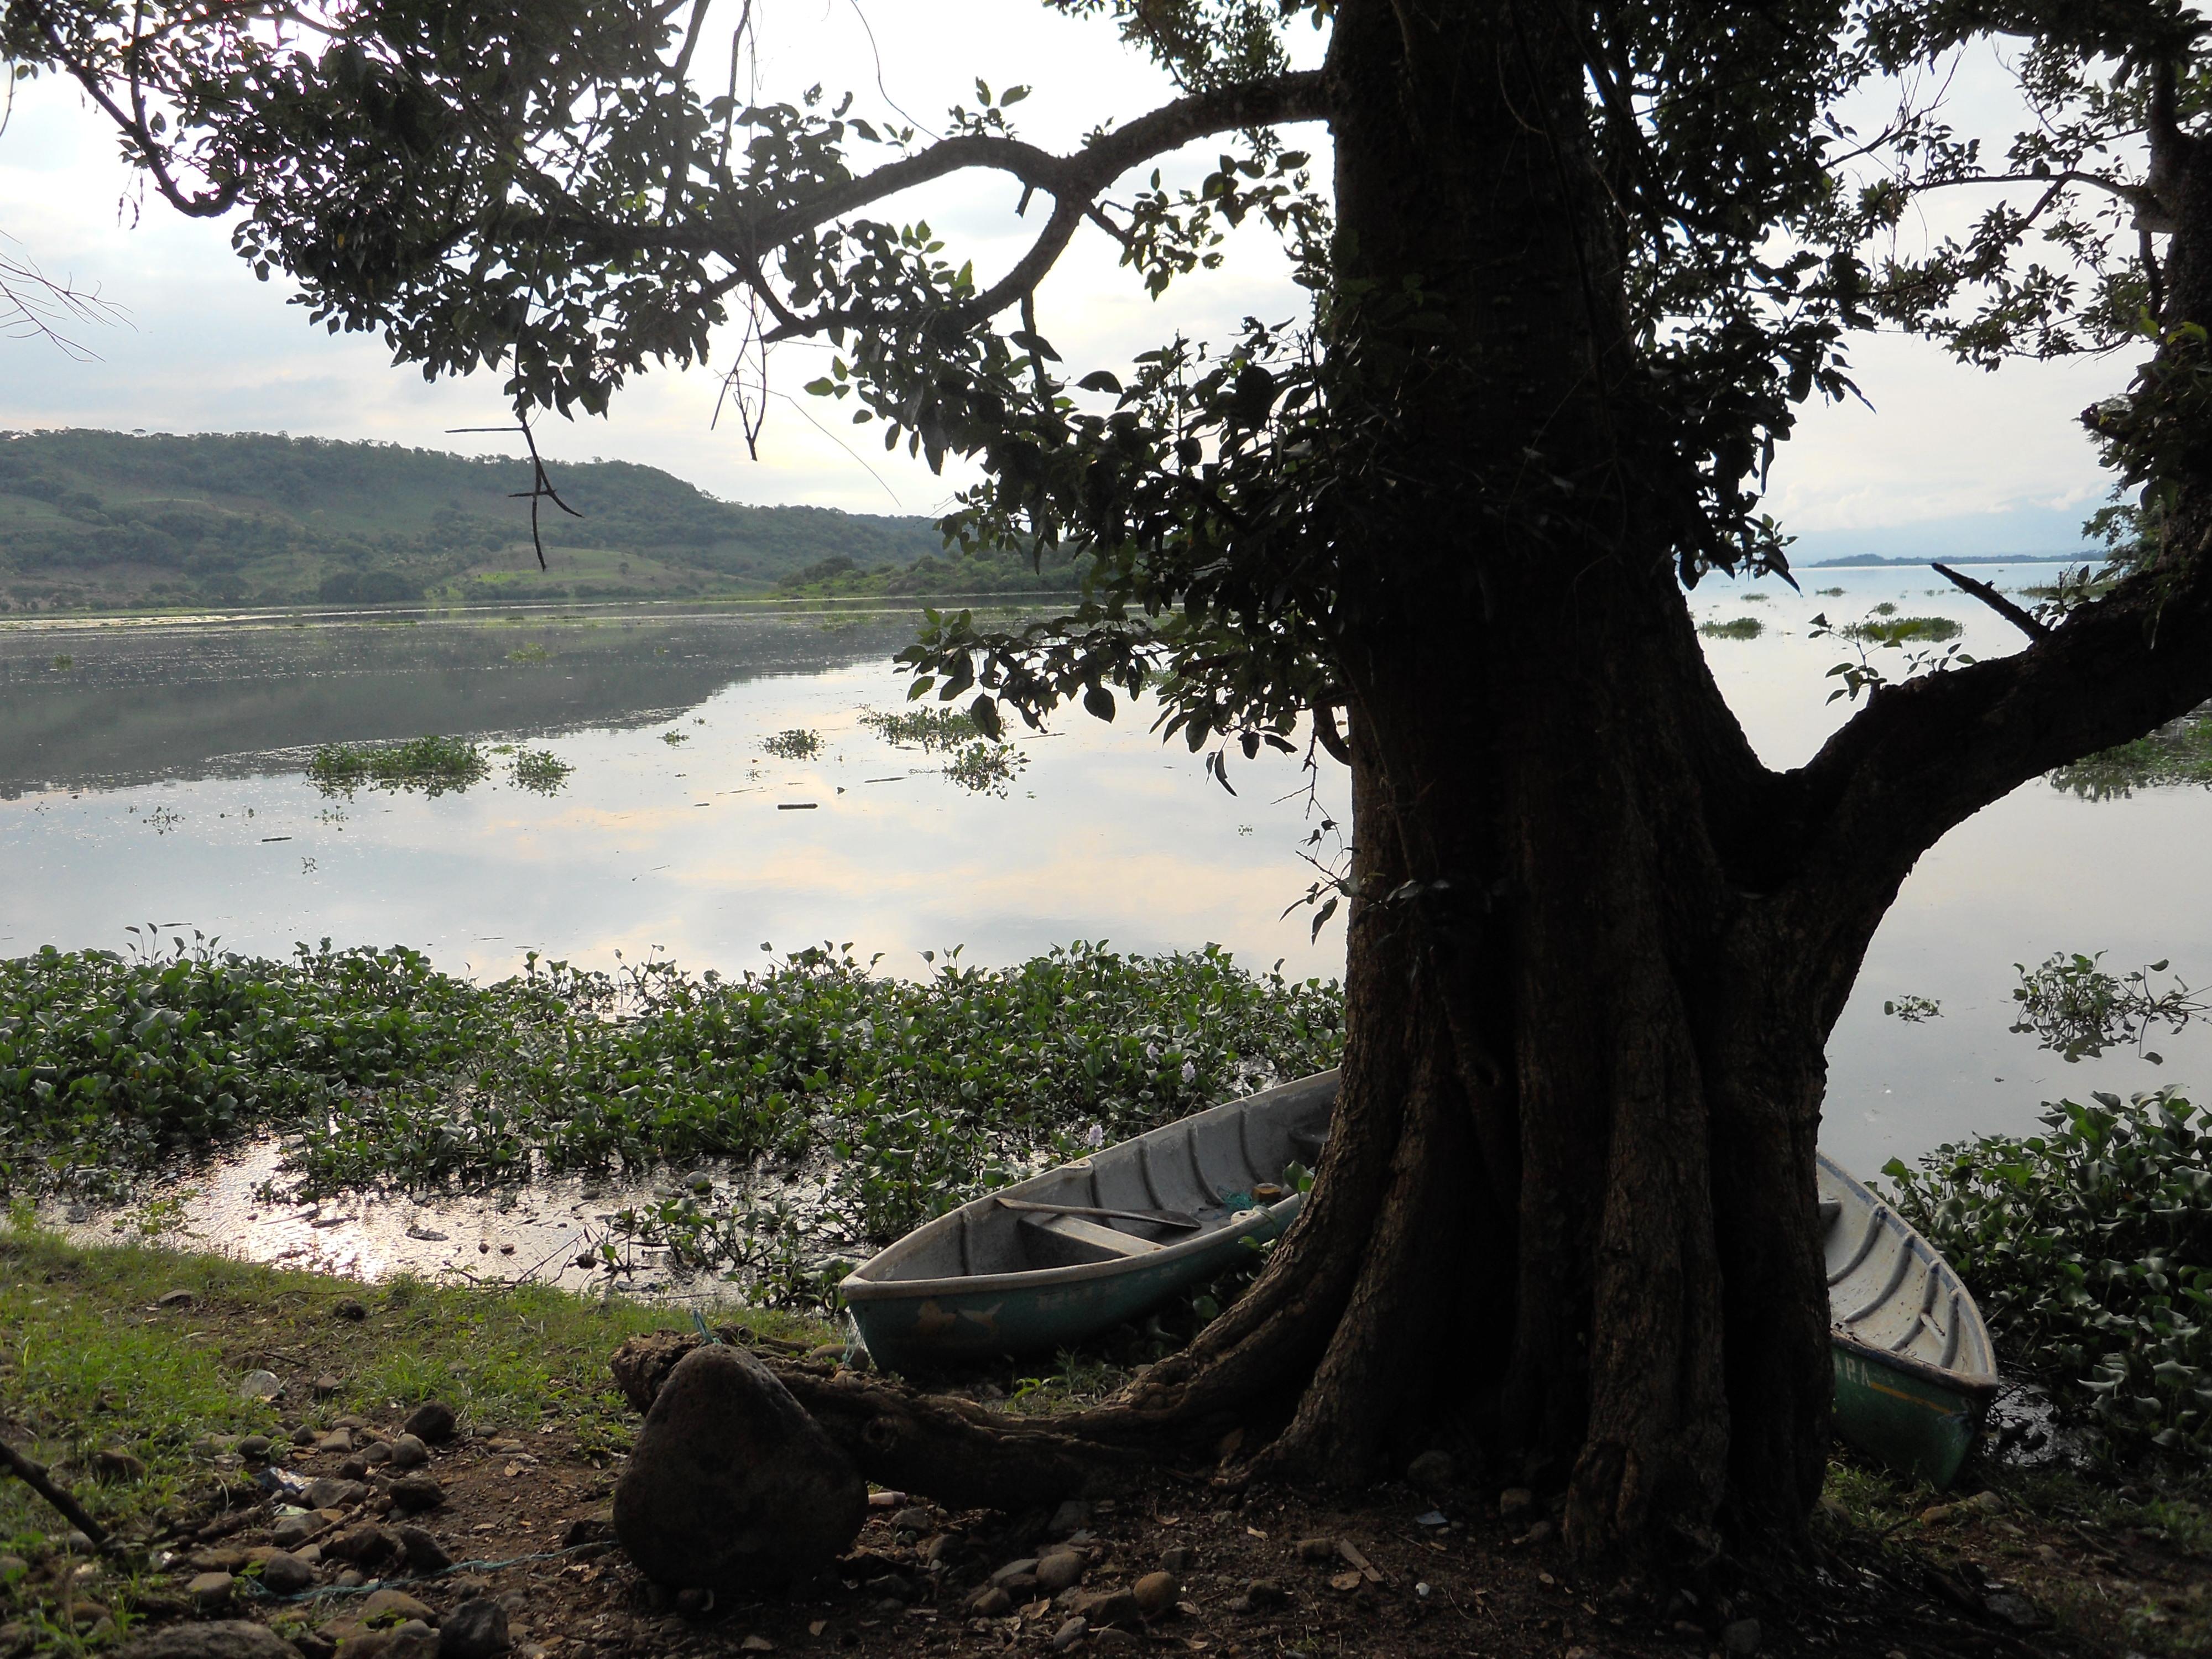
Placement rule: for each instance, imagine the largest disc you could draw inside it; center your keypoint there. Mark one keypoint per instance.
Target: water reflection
(160, 775)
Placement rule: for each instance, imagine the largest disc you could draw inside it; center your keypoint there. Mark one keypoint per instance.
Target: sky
(1947, 460)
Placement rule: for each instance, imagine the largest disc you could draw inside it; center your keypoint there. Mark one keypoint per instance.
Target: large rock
(732, 1487)
(230, 1638)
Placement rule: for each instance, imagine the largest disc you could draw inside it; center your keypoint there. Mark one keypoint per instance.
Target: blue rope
(329, 1590)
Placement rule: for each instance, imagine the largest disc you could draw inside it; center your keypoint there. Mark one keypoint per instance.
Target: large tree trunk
(1566, 1218)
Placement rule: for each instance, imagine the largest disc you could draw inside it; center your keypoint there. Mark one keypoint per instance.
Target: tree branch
(34, 1476)
(2023, 620)
(1922, 756)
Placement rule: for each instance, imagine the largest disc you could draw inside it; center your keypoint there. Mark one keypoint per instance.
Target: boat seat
(1073, 1241)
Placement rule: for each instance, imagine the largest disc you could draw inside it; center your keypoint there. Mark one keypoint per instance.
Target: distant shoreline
(1872, 560)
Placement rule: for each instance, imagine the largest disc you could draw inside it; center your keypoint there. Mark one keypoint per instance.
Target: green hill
(106, 520)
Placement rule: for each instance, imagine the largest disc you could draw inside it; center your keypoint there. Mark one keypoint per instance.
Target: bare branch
(2023, 620)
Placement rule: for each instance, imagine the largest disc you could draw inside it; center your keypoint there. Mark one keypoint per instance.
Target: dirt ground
(1268, 1572)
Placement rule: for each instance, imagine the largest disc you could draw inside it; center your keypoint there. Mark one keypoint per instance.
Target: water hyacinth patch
(903, 1097)
(430, 765)
(927, 728)
(2089, 1248)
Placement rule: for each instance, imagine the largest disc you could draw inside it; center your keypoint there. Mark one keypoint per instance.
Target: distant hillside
(106, 518)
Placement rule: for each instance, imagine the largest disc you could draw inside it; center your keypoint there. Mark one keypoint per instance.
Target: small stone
(1741, 1637)
(382, 1604)
(354, 1468)
(586, 1529)
(475, 1630)
(115, 1466)
(179, 1299)
(1433, 1472)
(255, 1446)
(757, 1644)
(229, 1639)
(1072, 1516)
(376, 1453)
(329, 1492)
(1936, 1514)
(1514, 1502)
(1108, 1607)
(1156, 1594)
(1178, 1558)
(260, 1385)
(412, 1640)
(1537, 1534)
(327, 1385)
(1986, 1503)
(1060, 1571)
(362, 1546)
(431, 1422)
(2014, 1608)
(695, 1602)
(408, 1452)
(411, 1494)
(1069, 1634)
(305, 1435)
(1316, 1549)
(210, 1589)
(349, 1308)
(227, 1557)
(989, 1602)
(914, 1518)
(1025, 1568)
(337, 1440)
(424, 1553)
(293, 1531)
(283, 1573)
(1266, 1593)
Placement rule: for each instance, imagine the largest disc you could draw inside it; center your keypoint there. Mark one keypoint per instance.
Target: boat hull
(949, 1327)
(1914, 1371)
(1914, 1417)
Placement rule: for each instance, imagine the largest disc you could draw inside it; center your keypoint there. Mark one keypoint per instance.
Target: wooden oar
(1160, 1217)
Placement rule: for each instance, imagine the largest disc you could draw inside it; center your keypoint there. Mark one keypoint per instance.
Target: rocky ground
(365, 1523)
(402, 1545)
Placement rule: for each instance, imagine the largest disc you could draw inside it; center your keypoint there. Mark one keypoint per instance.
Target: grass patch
(88, 1362)
(431, 766)
(928, 729)
(1742, 627)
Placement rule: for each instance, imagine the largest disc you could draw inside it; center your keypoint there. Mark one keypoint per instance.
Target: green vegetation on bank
(86, 1362)
(108, 520)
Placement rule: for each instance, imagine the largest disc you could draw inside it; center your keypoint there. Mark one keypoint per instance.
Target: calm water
(158, 777)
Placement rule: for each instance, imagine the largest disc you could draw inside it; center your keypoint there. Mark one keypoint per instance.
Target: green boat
(1915, 1372)
(1068, 1254)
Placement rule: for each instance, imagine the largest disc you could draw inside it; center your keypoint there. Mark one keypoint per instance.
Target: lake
(155, 773)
